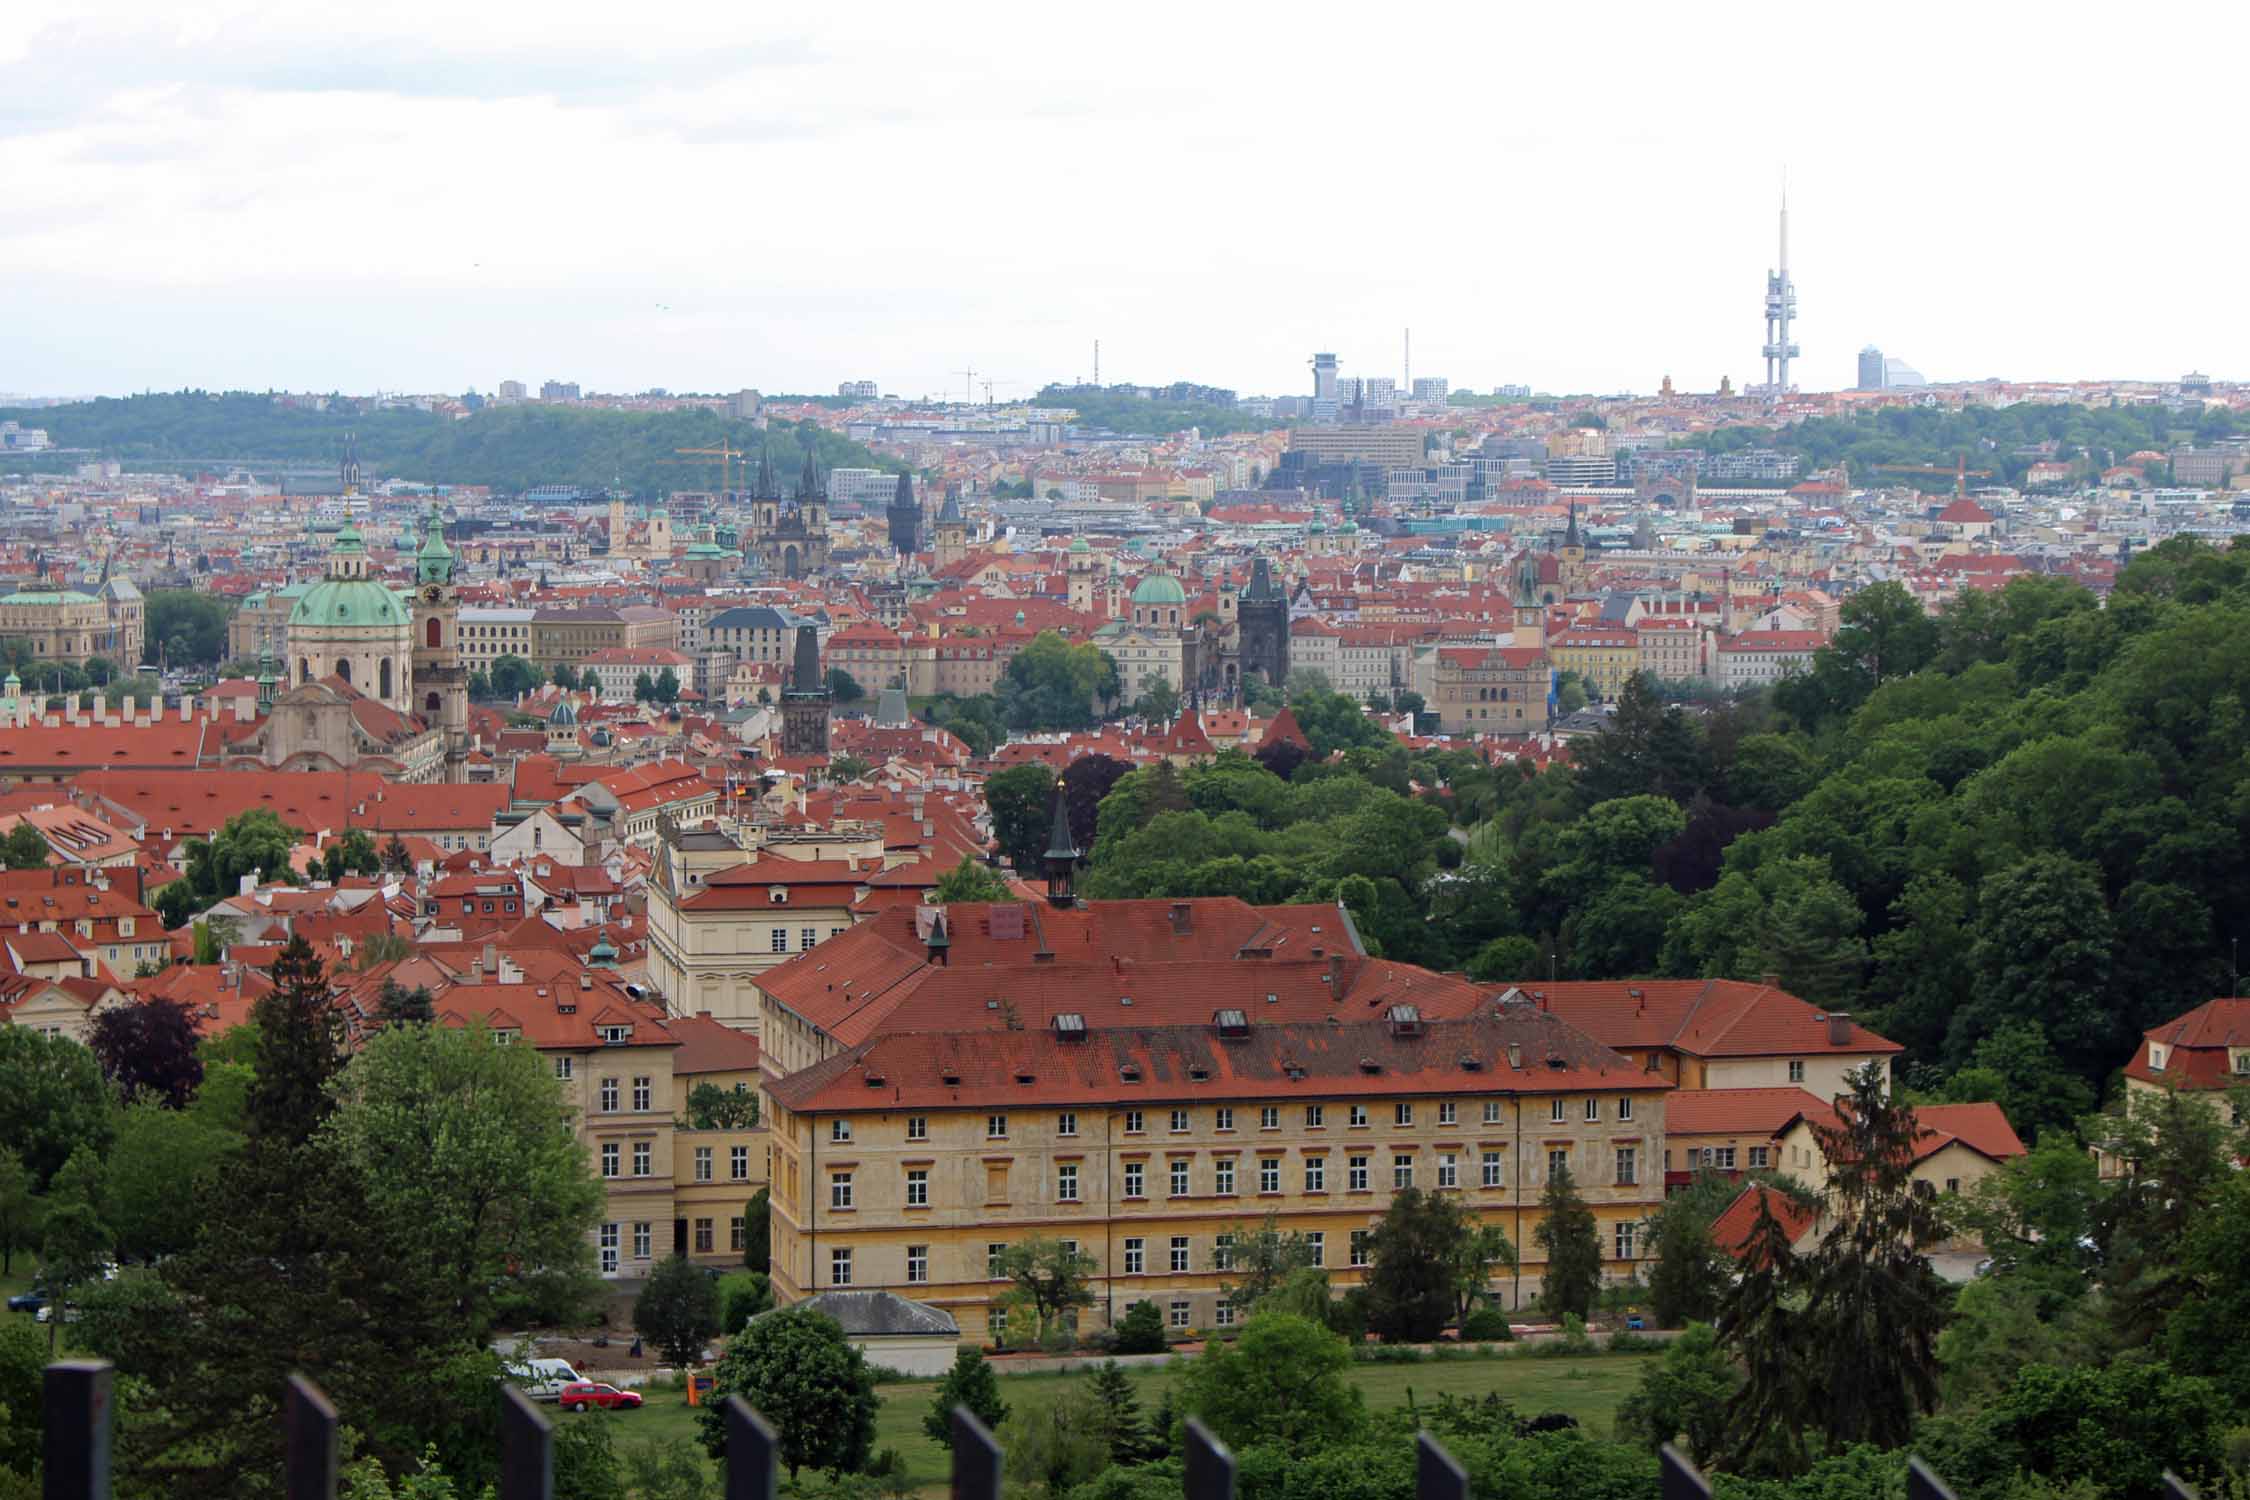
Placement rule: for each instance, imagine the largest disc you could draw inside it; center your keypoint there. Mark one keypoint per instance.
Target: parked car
(30, 1301)
(46, 1312)
(586, 1393)
(543, 1379)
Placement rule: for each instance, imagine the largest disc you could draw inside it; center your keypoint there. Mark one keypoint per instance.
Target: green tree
(848, 768)
(23, 1361)
(1573, 1245)
(52, 1100)
(255, 843)
(1021, 801)
(2044, 955)
(1690, 1278)
(20, 1212)
(757, 1230)
(969, 1383)
(512, 677)
(713, 1108)
(1884, 632)
(396, 857)
(1159, 702)
(970, 881)
(742, 1296)
(1141, 1330)
(465, 1147)
(1684, 1393)
(667, 687)
(187, 627)
(1123, 1426)
(644, 688)
(75, 1240)
(677, 1311)
(1052, 684)
(565, 677)
(163, 1167)
(213, 936)
(395, 1005)
(1053, 1441)
(1283, 1381)
(148, 1050)
(23, 848)
(1771, 1411)
(1264, 1258)
(843, 687)
(2177, 1150)
(1414, 1257)
(352, 854)
(796, 1369)
(1048, 1277)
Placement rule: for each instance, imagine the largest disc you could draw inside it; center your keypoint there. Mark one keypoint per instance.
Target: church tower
(441, 683)
(1081, 566)
(1262, 623)
(1573, 556)
(804, 702)
(952, 531)
(1531, 605)
(905, 517)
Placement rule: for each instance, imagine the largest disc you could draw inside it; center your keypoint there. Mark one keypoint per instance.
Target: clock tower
(441, 683)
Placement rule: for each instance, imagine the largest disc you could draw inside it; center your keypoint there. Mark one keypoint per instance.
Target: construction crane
(726, 453)
(968, 384)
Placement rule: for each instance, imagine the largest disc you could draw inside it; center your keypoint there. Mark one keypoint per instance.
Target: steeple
(804, 673)
(1062, 854)
(434, 562)
(1570, 535)
(766, 490)
(351, 463)
(808, 482)
(949, 514)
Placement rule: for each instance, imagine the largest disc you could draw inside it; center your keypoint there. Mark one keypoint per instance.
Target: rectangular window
(1625, 1109)
(738, 1237)
(703, 1243)
(1316, 1116)
(780, 940)
(1178, 1317)
(1136, 1256)
(807, 937)
(1758, 1158)
(1316, 1246)
(1628, 1166)
(1179, 1122)
(917, 1127)
(995, 1127)
(1316, 1174)
(1402, 1171)
(1179, 1179)
(1222, 1316)
(1223, 1118)
(1066, 1182)
(609, 1158)
(1448, 1170)
(839, 1268)
(1179, 1253)
(642, 1152)
(839, 1130)
(642, 1095)
(1355, 1174)
(839, 1190)
(1491, 1111)
(738, 1164)
(992, 1254)
(1359, 1247)
(1445, 1113)
(917, 1263)
(1222, 1252)
(1721, 1157)
(1222, 1176)
(1132, 1122)
(1558, 1162)
(640, 1240)
(917, 1187)
(1402, 1113)
(609, 1249)
(1555, 1111)
(1359, 1117)
(1490, 1164)
(565, 1067)
(1066, 1123)
(609, 1096)
(1628, 1233)
(1269, 1117)
(1593, 1110)
(703, 1164)
(1797, 1069)
(1136, 1179)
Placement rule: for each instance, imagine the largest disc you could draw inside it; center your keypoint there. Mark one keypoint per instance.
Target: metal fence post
(75, 1451)
(527, 1448)
(976, 1458)
(308, 1440)
(753, 1454)
(1437, 1474)
(1682, 1480)
(1210, 1467)
(1922, 1482)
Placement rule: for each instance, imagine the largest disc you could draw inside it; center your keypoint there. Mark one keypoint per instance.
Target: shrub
(1487, 1323)
(1141, 1330)
(1626, 1341)
(742, 1296)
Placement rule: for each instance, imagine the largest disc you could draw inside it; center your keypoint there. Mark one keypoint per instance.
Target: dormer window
(505, 1038)
(615, 1035)
(2155, 1058)
(778, 895)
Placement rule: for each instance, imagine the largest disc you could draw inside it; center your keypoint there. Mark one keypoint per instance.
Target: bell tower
(441, 683)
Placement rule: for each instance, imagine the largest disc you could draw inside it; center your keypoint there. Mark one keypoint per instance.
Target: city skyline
(227, 201)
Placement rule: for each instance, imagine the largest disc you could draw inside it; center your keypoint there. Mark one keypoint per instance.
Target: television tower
(1781, 311)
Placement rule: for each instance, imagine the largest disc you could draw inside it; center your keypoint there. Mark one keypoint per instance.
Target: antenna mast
(1097, 364)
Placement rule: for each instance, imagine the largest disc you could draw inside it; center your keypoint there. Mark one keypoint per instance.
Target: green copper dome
(1160, 588)
(1080, 546)
(350, 601)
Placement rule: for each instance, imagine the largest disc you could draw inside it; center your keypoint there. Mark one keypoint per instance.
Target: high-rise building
(1870, 368)
(559, 390)
(858, 390)
(744, 406)
(511, 390)
(1781, 314)
(1431, 388)
(1324, 377)
(1898, 373)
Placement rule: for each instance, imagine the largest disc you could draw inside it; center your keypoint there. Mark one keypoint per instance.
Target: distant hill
(510, 448)
(1122, 413)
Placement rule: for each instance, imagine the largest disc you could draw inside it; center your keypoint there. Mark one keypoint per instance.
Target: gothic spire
(765, 473)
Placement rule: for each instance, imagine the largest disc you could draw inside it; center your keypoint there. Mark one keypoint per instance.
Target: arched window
(304, 670)
(436, 636)
(383, 677)
(344, 668)
(432, 703)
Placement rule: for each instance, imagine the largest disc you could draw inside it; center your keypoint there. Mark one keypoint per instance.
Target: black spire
(1570, 535)
(1062, 854)
(765, 473)
(805, 675)
(808, 483)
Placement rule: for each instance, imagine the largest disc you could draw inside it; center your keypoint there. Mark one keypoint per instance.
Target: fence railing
(80, 1412)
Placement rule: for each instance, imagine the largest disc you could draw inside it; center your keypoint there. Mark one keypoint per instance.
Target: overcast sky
(412, 196)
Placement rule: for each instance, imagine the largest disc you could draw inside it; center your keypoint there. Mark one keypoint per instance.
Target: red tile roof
(1703, 1017)
(1731, 1230)
(2198, 1046)
(1735, 1111)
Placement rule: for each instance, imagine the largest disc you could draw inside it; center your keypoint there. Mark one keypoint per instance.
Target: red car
(585, 1393)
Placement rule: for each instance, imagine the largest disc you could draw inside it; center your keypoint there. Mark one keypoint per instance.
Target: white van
(542, 1379)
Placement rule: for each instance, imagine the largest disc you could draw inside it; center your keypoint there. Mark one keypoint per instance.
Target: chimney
(1183, 918)
(1335, 975)
(586, 980)
(1839, 1029)
(1770, 981)
(491, 961)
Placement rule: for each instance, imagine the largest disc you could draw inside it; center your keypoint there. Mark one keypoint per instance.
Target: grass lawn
(1589, 1388)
